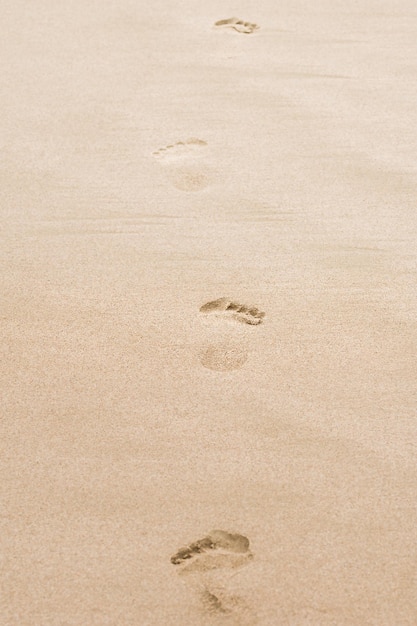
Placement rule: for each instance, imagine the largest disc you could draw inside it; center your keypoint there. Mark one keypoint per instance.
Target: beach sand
(162, 464)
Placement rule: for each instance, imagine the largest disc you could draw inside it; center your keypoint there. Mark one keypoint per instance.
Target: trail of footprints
(182, 157)
(218, 550)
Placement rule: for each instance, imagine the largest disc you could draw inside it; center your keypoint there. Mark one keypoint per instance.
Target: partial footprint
(184, 164)
(223, 357)
(204, 561)
(240, 312)
(218, 549)
(239, 25)
(181, 148)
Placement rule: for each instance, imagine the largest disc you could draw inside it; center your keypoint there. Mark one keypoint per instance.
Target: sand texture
(208, 313)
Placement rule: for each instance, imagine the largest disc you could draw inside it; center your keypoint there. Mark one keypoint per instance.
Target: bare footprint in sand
(229, 353)
(239, 25)
(240, 312)
(184, 164)
(207, 565)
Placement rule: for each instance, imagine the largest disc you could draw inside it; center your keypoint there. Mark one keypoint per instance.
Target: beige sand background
(120, 443)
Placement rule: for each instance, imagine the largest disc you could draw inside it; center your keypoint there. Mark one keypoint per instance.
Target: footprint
(203, 562)
(239, 25)
(228, 354)
(181, 161)
(240, 312)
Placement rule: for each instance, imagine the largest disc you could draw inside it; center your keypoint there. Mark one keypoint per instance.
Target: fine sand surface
(208, 275)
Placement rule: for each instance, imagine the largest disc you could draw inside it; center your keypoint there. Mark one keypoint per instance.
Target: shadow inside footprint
(212, 602)
(240, 312)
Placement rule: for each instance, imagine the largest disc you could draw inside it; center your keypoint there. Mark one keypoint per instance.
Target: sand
(152, 163)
